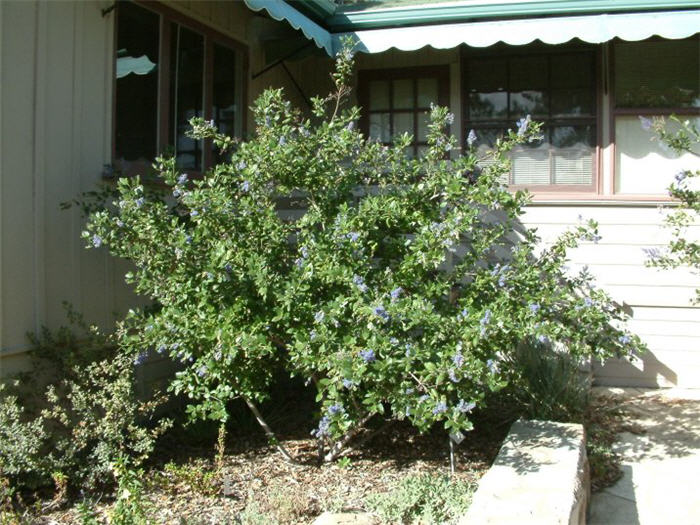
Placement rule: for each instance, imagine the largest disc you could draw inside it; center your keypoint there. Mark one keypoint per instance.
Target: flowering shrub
(399, 291)
(681, 251)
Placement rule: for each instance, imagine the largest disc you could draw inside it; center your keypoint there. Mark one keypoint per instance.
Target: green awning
(551, 30)
(280, 10)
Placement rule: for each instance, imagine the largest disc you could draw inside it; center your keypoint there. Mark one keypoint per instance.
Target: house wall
(659, 301)
(56, 62)
(56, 91)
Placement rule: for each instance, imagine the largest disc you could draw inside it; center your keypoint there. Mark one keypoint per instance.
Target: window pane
(403, 94)
(423, 121)
(566, 102)
(485, 106)
(573, 165)
(225, 102)
(528, 73)
(488, 74)
(657, 74)
(379, 126)
(528, 103)
(136, 115)
(642, 165)
(427, 92)
(186, 88)
(403, 123)
(530, 165)
(225, 97)
(378, 95)
(573, 153)
(572, 71)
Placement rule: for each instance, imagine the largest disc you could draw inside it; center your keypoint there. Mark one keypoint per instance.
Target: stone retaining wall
(540, 476)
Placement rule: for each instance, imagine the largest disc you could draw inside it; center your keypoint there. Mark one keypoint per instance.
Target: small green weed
(86, 512)
(345, 462)
(282, 503)
(195, 475)
(131, 508)
(426, 498)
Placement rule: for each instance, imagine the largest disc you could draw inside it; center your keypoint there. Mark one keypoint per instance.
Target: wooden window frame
(211, 36)
(365, 76)
(548, 191)
(616, 112)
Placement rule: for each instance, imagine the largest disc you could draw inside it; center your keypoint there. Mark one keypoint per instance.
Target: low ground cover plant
(425, 498)
(399, 292)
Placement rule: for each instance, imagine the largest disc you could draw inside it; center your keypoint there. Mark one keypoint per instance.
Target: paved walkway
(661, 466)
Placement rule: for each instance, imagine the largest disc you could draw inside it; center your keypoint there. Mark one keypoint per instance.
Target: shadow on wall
(643, 370)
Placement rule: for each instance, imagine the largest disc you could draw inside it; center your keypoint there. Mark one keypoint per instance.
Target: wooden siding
(56, 61)
(658, 300)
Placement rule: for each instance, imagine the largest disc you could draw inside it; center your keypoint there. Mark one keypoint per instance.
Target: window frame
(616, 112)
(365, 76)
(545, 191)
(211, 36)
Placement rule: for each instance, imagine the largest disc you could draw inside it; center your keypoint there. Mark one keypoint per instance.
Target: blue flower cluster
(368, 355)
(381, 312)
(484, 321)
(359, 282)
(396, 293)
(336, 409)
(523, 125)
(465, 407)
(323, 429)
(458, 358)
(440, 408)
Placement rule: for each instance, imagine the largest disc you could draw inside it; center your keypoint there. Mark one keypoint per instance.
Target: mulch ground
(256, 486)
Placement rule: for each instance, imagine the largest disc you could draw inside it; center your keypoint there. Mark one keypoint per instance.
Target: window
(398, 101)
(168, 70)
(653, 77)
(558, 89)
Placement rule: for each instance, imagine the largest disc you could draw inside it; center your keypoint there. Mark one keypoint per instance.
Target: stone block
(539, 476)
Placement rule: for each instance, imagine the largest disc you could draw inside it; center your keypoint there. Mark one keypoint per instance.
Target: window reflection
(556, 89)
(136, 122)
(186, 92)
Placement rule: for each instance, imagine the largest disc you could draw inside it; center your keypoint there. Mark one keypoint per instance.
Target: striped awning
(594, 29)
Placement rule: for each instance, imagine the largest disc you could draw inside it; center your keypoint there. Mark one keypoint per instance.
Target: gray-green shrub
(75, 413)
(424, 498)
